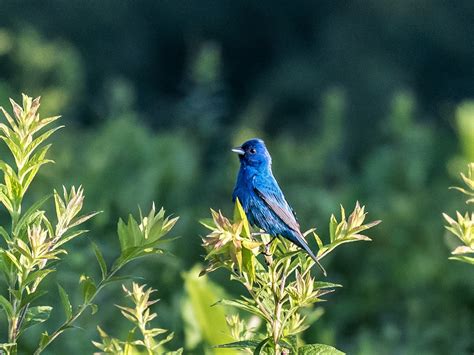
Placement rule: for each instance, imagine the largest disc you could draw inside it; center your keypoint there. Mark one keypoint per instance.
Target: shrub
(463, 226)
(140, 315)
(34, 242)
(279, 283)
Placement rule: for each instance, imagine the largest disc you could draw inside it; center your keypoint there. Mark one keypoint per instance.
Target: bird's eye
(252, 151)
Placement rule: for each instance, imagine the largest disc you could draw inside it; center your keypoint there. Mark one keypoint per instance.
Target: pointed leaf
(240, 216)
(318, 349)
(7, 307)
(259, 347)
(45, 339)
(88, 287)
(32, 297)
(243, 344)
(65, 302)
(100, 260)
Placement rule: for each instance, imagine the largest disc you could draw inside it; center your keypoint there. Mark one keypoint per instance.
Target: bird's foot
(266, 248)
(266, 252)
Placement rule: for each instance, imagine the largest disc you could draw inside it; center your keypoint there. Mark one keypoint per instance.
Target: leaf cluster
(463, 226)
(276, 275)
(143, 238)
(140, 316)
(231, 244)
(35, 242)
(137, 238)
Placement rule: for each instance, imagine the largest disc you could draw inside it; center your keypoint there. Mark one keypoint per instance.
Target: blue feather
(261, 197)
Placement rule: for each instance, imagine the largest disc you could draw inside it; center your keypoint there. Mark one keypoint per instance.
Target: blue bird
(261, 197)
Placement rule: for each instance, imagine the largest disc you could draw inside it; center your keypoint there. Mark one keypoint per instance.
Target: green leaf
(332, 228)
(35, 163)
(65, 302)
(240, 216)
(82, 219)
(66, 238)
(45, 338)
(318, 349)
(123, 231)
(36, 315)
(243, 344)
(88, 287)
(464, 259)
(6, 266)
(40, 139)
(133, 253)
(243, 305)
(323, 284)
(318, 240)
(201, 321)
(37, 276)
(100, 259)
(29, 298)
(5, 234)
(292, 342)
(9, 118)
(28, 214)
(248, 263)
(94, 308)
(13, 259)
(7, 307)
(5, 200)
(259, 347)
(175, 352)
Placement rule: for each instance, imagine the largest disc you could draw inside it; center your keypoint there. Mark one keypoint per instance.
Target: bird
(262, 199)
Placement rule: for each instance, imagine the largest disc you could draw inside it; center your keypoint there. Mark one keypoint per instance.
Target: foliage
(137, 239)
(34, 243)
(280, 285)
(200, 322)
(346, 117)
(141, 317)
(463, 226)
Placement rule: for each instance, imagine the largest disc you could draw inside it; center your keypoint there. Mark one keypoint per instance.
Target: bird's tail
(301, 242)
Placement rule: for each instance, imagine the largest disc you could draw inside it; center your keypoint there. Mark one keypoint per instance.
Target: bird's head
(253, 153)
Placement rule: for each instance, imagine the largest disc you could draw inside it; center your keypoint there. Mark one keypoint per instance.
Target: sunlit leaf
(201, 320)
(318, 349)
(243, 344)
(36, 315)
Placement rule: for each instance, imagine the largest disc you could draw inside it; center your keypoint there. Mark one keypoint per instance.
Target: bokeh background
(361, 100)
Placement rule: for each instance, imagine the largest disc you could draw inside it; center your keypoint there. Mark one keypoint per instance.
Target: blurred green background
(361, 100)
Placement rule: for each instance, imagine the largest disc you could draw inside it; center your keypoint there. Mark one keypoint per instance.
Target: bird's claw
(266, 250)
(266, 253)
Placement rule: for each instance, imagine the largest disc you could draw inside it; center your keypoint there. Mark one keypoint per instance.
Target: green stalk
(68, 323)
(14, 323)
(278, 325)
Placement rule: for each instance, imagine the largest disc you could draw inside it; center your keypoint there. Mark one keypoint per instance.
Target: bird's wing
(274, 199)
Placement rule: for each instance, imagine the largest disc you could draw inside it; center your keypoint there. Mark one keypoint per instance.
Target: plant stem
(68, 323)
(260, 305)
(277, 324)
(15, 322)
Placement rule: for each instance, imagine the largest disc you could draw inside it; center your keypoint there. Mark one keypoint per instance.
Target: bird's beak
(238, 150)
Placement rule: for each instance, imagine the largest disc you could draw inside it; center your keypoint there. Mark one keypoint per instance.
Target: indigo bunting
(261, 197)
